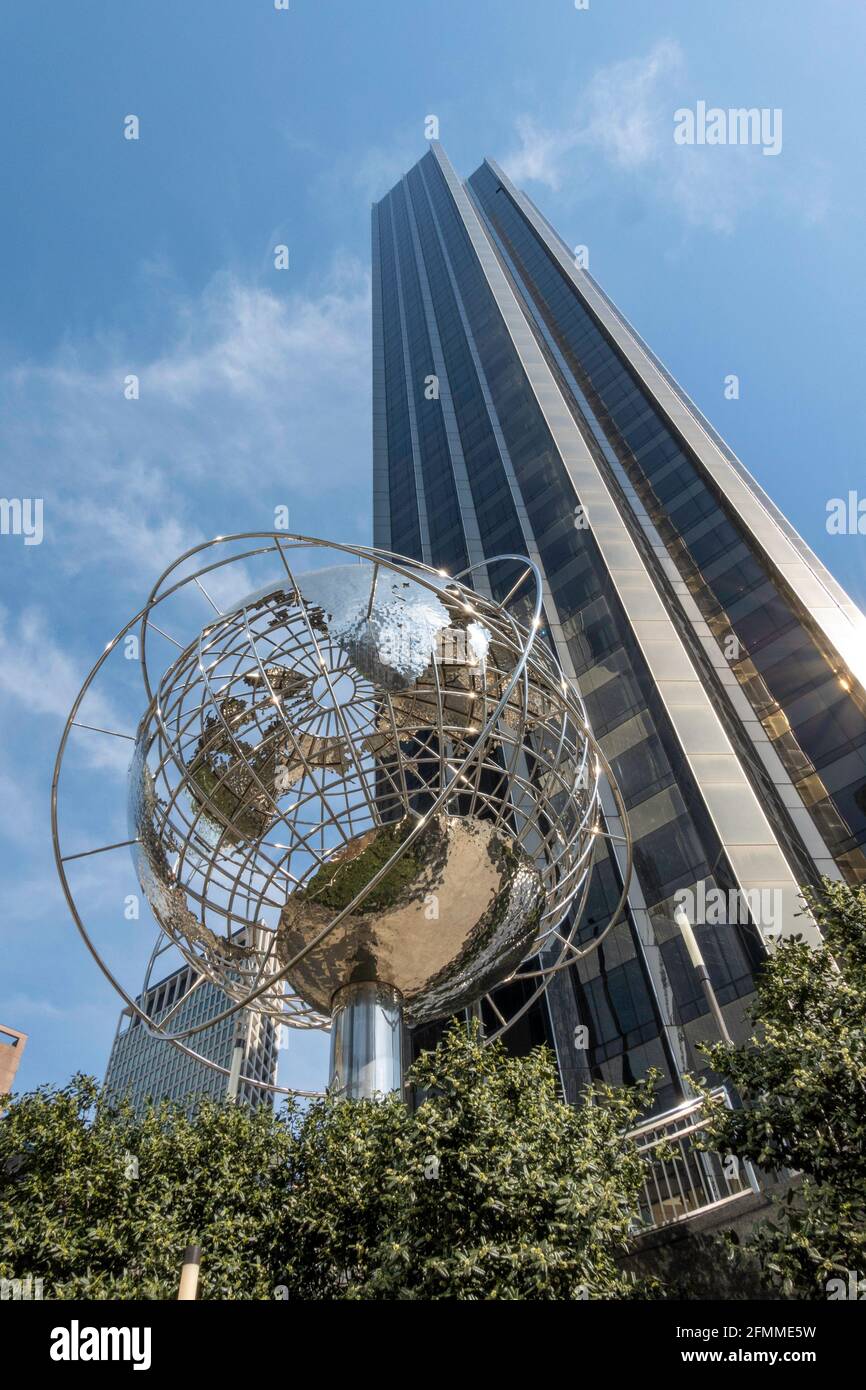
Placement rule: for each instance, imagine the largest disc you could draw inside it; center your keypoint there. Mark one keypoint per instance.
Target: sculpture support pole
(366, 1041)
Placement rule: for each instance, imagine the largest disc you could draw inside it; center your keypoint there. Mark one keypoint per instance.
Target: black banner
(57, 1339)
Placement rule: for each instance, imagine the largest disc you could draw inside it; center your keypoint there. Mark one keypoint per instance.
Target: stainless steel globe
(363, 790)
(450, 919)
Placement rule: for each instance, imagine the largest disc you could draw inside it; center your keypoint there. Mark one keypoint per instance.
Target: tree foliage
(101, 1204)
(802, 1078)
(491, 1188)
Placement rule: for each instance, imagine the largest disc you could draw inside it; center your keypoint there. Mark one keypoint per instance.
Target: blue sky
(259, 127)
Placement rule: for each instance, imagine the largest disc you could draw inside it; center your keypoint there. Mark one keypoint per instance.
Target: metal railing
(682, 1182)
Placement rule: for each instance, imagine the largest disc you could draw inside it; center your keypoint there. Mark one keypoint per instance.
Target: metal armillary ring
(361, 795)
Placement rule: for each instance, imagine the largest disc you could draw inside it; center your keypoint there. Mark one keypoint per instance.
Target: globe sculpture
(360, 796)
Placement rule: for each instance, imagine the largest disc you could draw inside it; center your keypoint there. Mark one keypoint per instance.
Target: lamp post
(235, 1067)
(687, 932)
(188, 1288)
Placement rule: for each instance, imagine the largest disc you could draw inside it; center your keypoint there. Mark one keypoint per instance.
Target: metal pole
(188, 1289)
(235, 1068)
(713, 1002)
(697, 960)
(366, 1041)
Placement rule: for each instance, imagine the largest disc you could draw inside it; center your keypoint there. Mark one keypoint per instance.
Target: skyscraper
(143, 1065)
(723, 668)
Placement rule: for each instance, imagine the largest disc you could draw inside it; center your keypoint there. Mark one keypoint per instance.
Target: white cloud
(38, 678)
(618, 117)
(622, 124)
(624, 104)
(540, 156)
(380, 166)
(257, 400)
(363, 177)
(17, 811)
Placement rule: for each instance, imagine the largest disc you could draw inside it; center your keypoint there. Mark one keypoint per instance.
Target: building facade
(142, 1066)
(12, 1044)
(722, 667)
